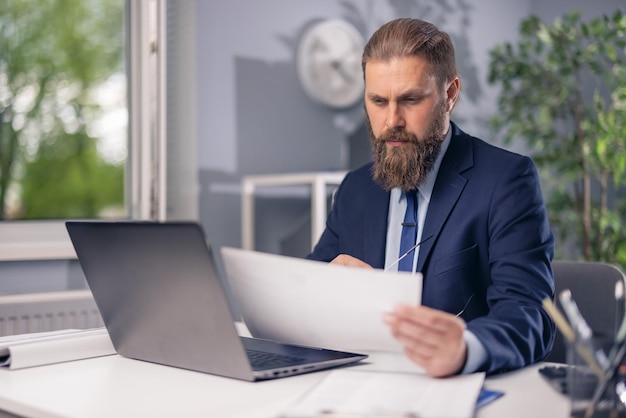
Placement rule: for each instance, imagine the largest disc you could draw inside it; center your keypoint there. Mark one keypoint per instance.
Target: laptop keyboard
(265, 360)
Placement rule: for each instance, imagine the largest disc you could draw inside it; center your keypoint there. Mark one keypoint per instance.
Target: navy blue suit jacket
(490, 238)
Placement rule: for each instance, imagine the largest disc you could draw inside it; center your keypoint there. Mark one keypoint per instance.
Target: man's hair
(406, 37)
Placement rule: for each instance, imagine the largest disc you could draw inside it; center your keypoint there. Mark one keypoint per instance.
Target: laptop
(162, 301)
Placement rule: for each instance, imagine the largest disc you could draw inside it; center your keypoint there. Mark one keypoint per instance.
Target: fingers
(431, 338)
(348, 260)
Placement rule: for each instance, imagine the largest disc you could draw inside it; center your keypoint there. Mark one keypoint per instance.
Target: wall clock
(329, 63)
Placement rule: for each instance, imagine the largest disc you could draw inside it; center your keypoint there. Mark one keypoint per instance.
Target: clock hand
(336, 64)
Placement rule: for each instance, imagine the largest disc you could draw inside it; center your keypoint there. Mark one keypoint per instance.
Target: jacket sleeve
(517, 331)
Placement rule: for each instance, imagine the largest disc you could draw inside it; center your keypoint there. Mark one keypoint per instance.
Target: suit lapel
(376, 214)
(448, 188)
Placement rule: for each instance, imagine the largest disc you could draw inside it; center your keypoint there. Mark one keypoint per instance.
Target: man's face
(408, 115)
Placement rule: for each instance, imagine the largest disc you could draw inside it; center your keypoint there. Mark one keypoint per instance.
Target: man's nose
(394, 117)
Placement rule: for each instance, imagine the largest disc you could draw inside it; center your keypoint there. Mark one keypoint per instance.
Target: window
(71, 74)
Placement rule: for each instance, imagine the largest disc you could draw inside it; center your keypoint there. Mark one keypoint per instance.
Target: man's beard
(408, 165)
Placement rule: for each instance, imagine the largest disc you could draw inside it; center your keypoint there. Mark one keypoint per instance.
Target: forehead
(398, 74)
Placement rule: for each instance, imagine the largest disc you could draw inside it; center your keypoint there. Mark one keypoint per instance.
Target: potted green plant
(563, 91)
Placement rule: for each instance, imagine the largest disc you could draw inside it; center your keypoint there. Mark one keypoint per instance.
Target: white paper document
(317, 304)
(362, 394)
(28, 350)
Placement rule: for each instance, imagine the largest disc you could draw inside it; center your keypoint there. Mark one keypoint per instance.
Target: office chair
(593, 289)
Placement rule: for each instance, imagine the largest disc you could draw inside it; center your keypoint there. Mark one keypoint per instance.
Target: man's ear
(452, 93)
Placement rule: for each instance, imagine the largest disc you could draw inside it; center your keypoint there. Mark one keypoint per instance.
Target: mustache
(397, 135)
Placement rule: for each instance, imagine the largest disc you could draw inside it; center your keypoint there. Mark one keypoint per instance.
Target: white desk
(318, 182)
(118, 387)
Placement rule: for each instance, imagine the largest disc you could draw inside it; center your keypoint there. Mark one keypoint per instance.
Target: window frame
(145, 183)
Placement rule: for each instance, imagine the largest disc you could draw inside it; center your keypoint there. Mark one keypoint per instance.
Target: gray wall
(40, 276)
(551, 9)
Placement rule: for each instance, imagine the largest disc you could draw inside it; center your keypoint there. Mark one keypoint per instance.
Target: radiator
(49, 311)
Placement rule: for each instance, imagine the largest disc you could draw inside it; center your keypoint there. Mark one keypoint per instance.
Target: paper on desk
(359, 393)
(317, 304)
(28, 350)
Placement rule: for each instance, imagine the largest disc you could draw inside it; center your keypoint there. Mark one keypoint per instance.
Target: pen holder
(593, 392)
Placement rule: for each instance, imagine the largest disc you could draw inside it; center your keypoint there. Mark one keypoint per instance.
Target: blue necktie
(409, 232)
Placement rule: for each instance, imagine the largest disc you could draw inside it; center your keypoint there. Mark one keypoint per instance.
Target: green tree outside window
(57, 60)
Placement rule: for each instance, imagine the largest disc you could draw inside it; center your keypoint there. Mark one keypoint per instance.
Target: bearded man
(473, 215)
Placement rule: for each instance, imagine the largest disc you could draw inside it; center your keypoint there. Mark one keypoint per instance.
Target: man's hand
(348, 260)
(431, 338)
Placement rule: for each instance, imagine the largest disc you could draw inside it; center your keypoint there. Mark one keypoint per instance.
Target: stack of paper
(38, 349)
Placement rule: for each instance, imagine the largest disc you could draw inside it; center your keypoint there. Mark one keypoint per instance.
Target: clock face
(329, 63)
